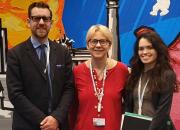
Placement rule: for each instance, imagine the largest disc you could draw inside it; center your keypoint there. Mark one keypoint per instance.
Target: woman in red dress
(99, 83)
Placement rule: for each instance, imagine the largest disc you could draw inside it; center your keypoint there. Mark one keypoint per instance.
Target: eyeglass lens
(101, 41)
(38, 18)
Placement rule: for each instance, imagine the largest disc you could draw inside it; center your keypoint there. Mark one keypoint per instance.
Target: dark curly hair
(157, 82)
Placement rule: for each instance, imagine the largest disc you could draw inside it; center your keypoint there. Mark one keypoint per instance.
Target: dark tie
(43, 55)
(43, 63)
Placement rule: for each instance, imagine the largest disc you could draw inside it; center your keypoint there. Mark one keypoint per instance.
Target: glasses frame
(102, 42)
(38, 19)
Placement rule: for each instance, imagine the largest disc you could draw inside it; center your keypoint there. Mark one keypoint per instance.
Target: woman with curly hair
(150, 86)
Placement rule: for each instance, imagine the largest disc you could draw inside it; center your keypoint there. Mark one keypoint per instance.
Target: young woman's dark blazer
(162, 103)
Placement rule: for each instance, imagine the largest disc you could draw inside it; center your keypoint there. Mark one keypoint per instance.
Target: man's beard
(41, 34)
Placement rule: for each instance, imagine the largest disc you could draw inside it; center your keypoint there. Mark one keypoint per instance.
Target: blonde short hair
(99, 28)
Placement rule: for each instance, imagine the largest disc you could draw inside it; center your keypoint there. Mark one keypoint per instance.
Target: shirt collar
(36, 43)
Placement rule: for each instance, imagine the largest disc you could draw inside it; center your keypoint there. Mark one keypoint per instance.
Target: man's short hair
(38, 5)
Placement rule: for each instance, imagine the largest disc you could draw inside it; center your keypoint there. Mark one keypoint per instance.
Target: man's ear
(28, 22)
(52, 21)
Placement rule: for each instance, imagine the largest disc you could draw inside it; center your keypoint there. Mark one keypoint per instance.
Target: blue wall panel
(81, 14)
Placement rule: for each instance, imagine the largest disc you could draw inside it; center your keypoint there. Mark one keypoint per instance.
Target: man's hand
(49, 123)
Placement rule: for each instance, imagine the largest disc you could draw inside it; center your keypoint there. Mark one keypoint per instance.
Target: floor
(5, 115)
(5, 120)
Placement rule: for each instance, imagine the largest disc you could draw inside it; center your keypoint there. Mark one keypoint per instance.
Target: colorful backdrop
(80, 15)
(74, 17)
(14, 15)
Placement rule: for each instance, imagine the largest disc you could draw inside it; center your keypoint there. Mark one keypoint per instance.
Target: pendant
(99, 107)
(99, 96)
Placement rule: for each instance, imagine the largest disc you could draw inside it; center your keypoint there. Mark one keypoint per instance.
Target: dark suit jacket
(28, 86)
(161, 101)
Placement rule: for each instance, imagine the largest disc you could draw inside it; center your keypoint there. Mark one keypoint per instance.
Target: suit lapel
(34, 57)
(52, 59)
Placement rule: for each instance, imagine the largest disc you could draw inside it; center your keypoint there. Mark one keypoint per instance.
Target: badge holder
(99, 121)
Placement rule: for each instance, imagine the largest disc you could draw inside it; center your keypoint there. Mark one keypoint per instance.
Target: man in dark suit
(39, 77)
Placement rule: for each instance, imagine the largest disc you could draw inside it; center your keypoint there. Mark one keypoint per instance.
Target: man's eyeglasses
(38, 18)
(102, 42)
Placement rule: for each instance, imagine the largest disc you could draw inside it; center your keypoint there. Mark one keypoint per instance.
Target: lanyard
(99, 92)
(141, 95)
(47, 58)
(47, 70)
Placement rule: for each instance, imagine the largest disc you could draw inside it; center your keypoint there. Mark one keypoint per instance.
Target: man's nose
(41, 21)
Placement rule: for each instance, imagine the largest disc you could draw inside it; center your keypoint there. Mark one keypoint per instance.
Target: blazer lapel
(52, 59)
(34, 57)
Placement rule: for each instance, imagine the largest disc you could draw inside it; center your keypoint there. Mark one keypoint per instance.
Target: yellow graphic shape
(13, 14)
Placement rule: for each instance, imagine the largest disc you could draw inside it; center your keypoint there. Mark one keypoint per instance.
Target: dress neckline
(87, 68)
